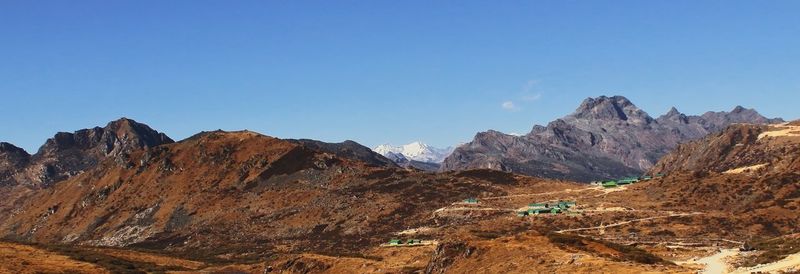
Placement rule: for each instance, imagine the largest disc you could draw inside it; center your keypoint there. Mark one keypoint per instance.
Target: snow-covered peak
(417, 151)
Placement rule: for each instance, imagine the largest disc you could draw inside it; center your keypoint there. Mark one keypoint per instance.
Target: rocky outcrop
(606, 137)
(12, 160)
(68, 154)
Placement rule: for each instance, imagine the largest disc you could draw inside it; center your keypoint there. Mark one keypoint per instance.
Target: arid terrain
(242, 202)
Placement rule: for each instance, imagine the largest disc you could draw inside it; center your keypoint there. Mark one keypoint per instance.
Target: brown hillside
(241, 190)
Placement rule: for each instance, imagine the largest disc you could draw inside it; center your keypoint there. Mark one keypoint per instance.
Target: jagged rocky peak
(12, 158)
(674, 115)
(611, 108)
(120, 135)
(739, 114)
(147, 136)
(67, 154)
(10, 149)
(605, 137)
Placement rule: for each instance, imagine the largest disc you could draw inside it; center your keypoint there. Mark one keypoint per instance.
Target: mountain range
(125, 198)
(215, 193)
(417, 155)
(606, 137)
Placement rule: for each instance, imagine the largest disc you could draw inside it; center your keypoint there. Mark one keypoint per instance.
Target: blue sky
(383, 71)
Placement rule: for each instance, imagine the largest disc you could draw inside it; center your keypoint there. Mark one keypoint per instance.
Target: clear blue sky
(383, 71)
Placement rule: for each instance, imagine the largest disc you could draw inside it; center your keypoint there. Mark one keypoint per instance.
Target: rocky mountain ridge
(68, 154)
(239, 190)
(606, 137)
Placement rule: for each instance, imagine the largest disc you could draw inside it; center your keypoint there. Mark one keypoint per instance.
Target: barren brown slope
(743, 171)
(240, 192)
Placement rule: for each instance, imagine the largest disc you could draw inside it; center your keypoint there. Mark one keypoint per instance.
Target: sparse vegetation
(616, 252)
(772, 250)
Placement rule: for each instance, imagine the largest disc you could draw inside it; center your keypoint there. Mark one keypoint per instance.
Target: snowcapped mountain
(416, 151)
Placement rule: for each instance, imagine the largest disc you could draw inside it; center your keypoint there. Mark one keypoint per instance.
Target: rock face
(606, 137)
(12, 160)
(68, 154)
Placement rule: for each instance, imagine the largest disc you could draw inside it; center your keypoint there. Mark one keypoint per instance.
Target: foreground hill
(606, 137)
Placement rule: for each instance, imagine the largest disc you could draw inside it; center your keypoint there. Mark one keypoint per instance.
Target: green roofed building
(566, 204)
(537, 205)
(471, 201)
(395, 242)
(608, 184)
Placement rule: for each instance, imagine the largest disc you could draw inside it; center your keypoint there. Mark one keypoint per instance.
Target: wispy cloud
(530, 85)
(529, 91)
(510, 106)
(528, 94)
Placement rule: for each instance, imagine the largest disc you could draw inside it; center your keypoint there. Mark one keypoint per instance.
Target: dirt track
(627, 222)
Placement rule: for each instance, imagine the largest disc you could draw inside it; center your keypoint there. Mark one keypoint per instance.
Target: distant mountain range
(417, 154)
(606, 137)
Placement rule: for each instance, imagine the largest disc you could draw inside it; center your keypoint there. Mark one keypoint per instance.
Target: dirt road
(718, 263)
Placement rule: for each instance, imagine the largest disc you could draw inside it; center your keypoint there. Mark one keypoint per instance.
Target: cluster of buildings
(625, 181)
(544, 208)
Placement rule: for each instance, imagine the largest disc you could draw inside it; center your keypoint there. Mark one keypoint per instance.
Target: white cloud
(528, 91)
(526, 96)
(509, 105)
